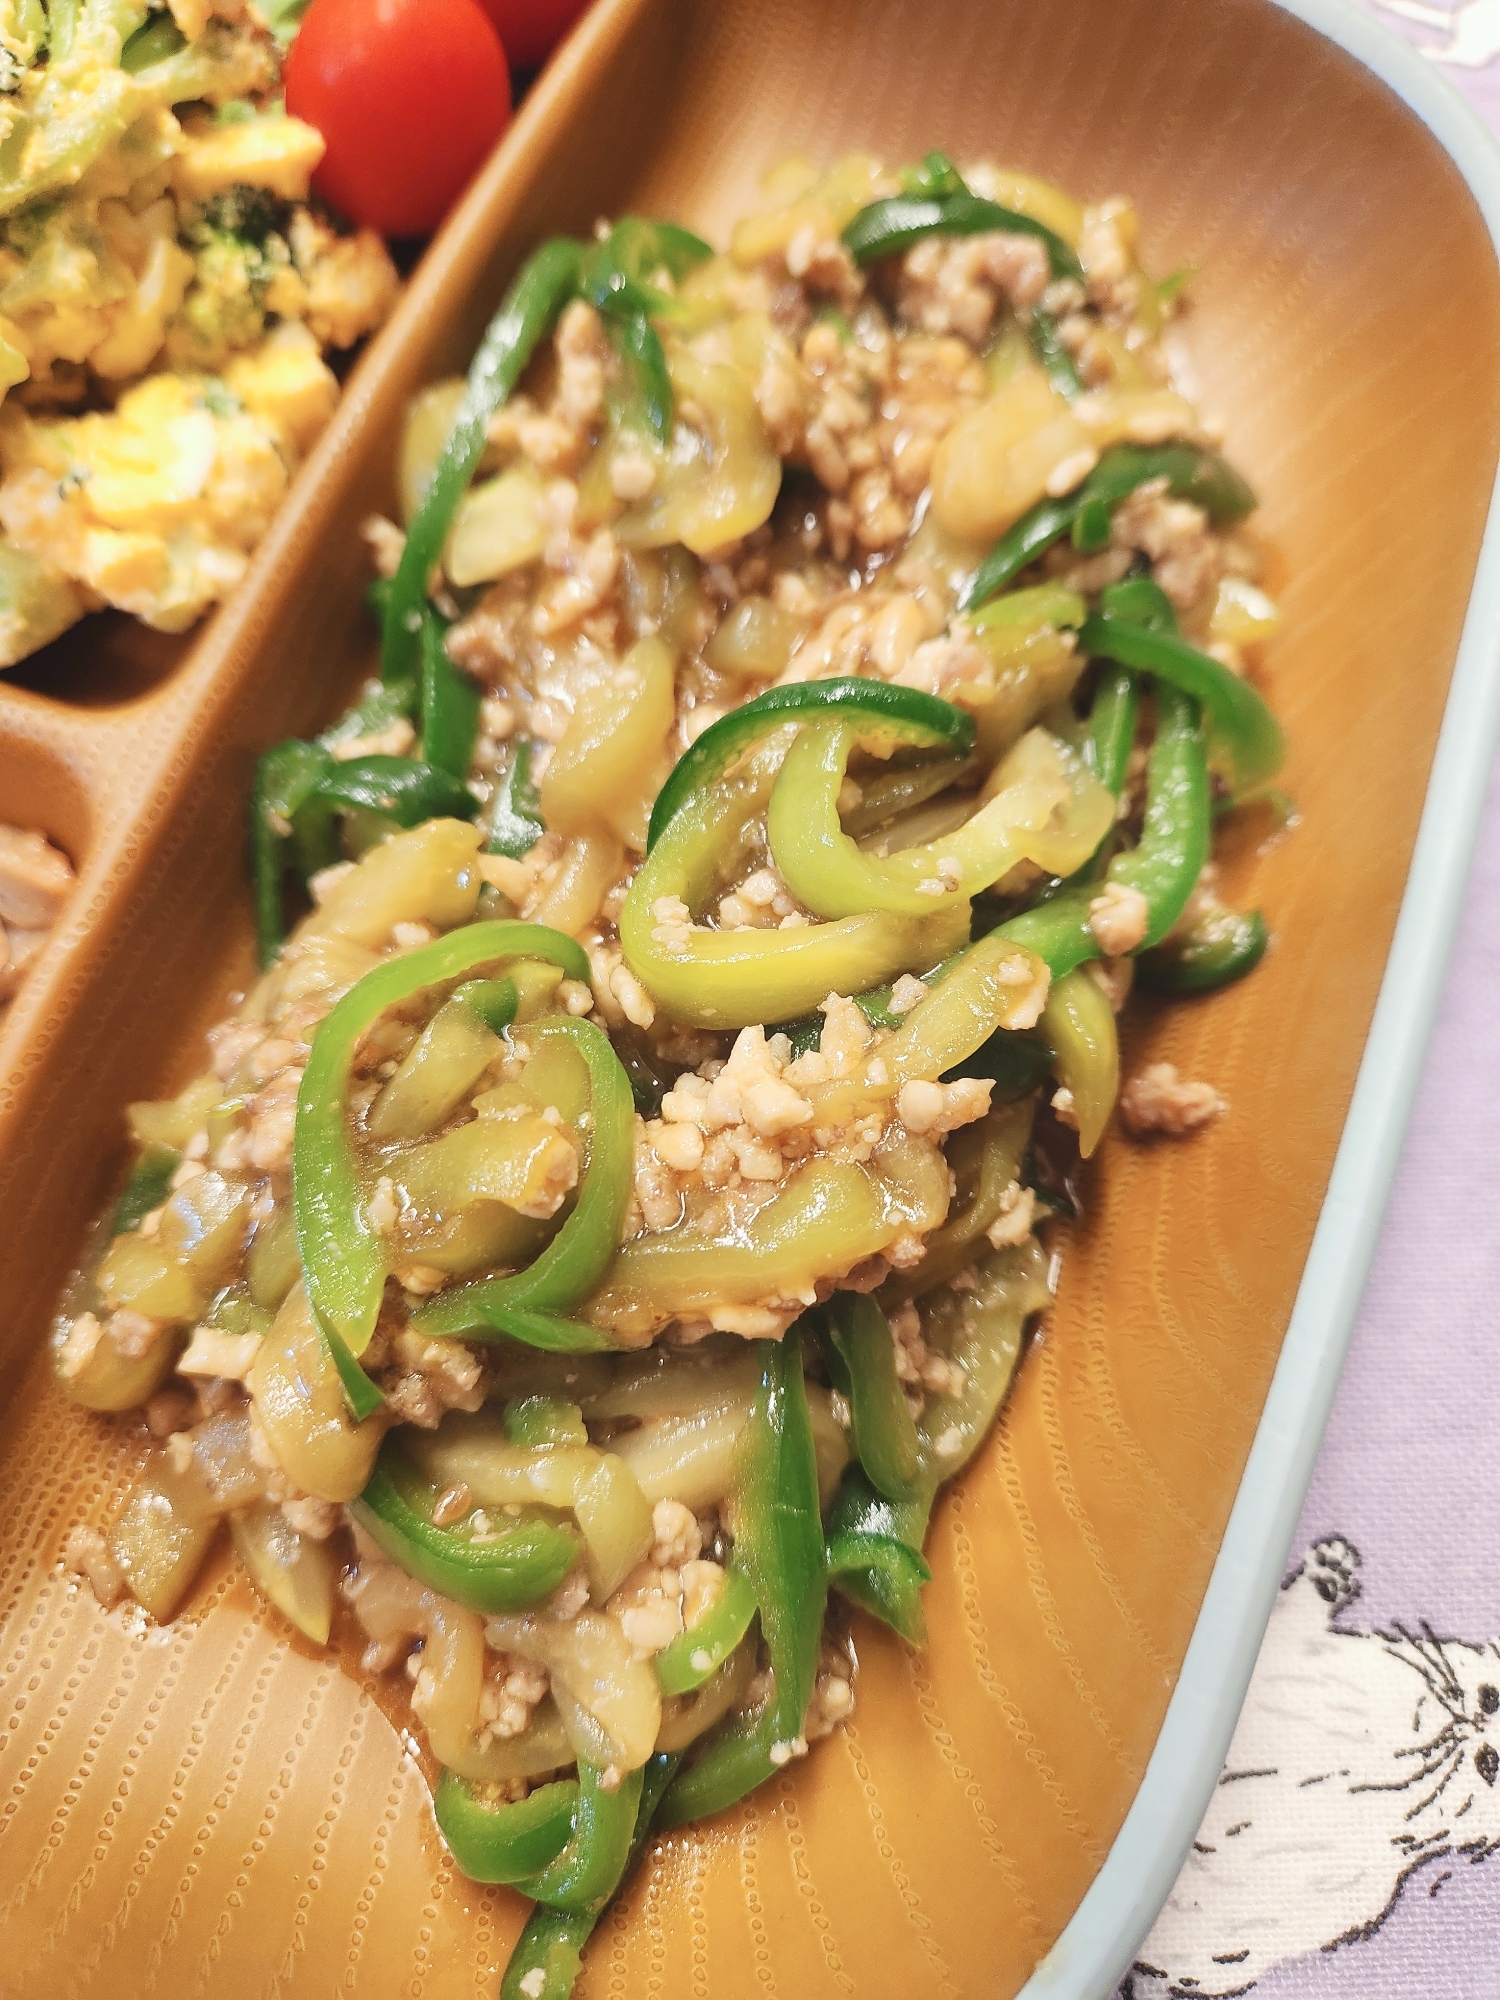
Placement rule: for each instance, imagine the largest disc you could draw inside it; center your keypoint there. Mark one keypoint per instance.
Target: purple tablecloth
(1346, 1853)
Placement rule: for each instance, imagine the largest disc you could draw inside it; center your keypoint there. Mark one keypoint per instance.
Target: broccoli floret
(249, 213)
(222, 312)
(238, 252)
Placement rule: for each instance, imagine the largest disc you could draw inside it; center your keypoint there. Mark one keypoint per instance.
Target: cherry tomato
(532, 29)
(410, 95)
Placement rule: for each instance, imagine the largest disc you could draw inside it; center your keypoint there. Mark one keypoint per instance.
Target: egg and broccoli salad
(168, 300)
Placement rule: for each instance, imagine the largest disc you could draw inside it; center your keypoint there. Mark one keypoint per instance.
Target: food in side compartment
(169, 304)
(36, 879)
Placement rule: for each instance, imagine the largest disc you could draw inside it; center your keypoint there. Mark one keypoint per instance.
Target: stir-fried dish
(809, 678)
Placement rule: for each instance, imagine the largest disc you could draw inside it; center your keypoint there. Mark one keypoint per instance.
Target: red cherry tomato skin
(532, 29)
(410, 95)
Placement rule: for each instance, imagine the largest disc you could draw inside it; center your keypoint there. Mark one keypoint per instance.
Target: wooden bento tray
(212, 1807)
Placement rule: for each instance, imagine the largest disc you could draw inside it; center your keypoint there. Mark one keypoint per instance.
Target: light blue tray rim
(1098, 1946)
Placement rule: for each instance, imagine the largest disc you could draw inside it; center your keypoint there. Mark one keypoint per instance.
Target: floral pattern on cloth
(1362, 1759)
(1346, 1852)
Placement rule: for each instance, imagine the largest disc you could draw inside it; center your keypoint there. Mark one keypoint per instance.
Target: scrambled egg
(156, 506)
(166, 297)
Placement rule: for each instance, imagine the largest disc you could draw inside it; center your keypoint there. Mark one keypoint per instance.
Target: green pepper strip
(875, 1005)
(583, 1876)
(1013, 1060)
(728, 979)
(521, 1567)
(961, 1048)
(507, 1843)
(615, 277)
(779, 1545)
(863, 1355)
(531, 1301)
(1112, 722)
(890, 1570)
(1143, 602)
(386, 701)
(360, 1393)
(285, 777)
(640, 344)
(1079, 1026)
(835, 878)
(1176, 836)
(864, 1532)
(550, 1944)
(553, 1940)
(908, 713)
(632, 254)
(399, 790)
(1191, 473)
(934, 174)
(966, 998)
(1164, 866)
(494, 1001)
(301, 788)
(1108, 742)
(1242, 728)
(450, 704)
(732, 979)
(515, 824)
(885, 228)
(342, 1259)
(553, 1332)
(537, 294)
(377, 711)
(1048, 346)
(696, 1655)
(1001, 1139)
(1038, 528)
(1012, 1286)
(148, 1187)
(1221, 947)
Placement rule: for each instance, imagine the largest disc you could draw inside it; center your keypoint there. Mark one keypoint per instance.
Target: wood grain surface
(213, 1809)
